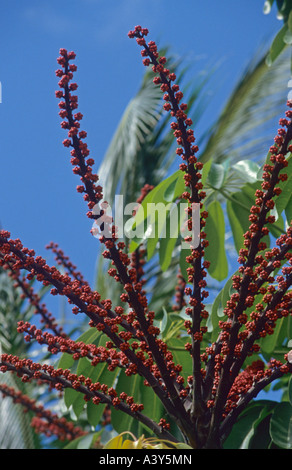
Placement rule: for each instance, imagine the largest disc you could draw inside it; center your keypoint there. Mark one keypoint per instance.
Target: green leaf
(87, 441)
(161, 320)
(235, 224)
(261, 438)
(247, 169)
(89, 336)
(289, 22)
(281, 425)
(244, 429)
(94, 413)
(288, 210)
(206, 170)
(70, 396)
(173, 325)
(83, 366)
(153, 407)
(172, 232)
(154, 215)
(84, 442)
(99, 373)
(283, 199)
(66, 361)
(290, 390)
(288, 37)
(132, 386)
(175, 188)
(145, 221)
(278, 45)
(216, 175)
(218, 306)
(180, 355)
(215, 252)
(73, 397)
(183, 264)
(74, 444)
(238, 211)
(269, 343)
(278, 228)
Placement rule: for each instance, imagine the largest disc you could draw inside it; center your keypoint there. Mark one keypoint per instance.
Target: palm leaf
(15, 430)
(141, 149)
(138, 122)
(246, 123)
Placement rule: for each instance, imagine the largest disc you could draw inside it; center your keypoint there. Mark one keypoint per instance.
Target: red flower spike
(187, 151)
(219, 387)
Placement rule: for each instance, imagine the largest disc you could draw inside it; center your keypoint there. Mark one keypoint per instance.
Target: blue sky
(38, 200)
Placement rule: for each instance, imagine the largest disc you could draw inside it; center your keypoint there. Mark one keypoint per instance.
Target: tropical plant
(284, 36)
(188, 376)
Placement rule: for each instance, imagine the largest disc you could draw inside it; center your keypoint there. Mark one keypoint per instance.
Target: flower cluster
(60, 379)
(44, 421)
(123, 272)
(206, 404)
(82, 163)
(194, 194)
(77, 349)
(253, 309)
(137, 356)
(13, 269)
(64, 261)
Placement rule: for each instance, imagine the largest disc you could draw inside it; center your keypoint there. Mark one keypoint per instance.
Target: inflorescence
(220, 386)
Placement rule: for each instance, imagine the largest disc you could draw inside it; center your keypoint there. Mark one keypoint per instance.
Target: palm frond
(138, 121)
(15, 429)
(141, 149)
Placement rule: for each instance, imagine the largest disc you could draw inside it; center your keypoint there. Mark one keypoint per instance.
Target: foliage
(284, 36)
(188, 375)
